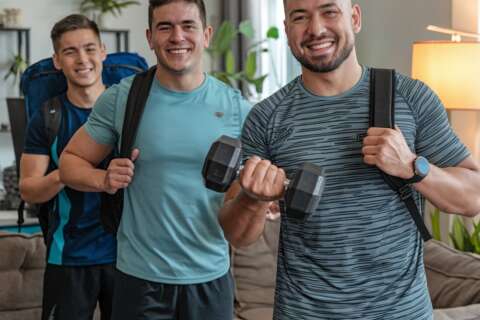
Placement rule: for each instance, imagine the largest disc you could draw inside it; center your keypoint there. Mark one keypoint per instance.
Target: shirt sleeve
(254, 132)
(36, 140)
(435, 138)
(101, 121)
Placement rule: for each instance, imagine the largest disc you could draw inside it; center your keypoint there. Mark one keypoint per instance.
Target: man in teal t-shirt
(359, 254)
(171, 248)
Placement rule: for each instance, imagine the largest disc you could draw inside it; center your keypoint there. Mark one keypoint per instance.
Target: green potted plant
(461, 238)
(99, 8)
(221, 47)
(17, 67)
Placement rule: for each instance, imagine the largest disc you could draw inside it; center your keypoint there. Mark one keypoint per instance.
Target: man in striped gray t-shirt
(359, 256)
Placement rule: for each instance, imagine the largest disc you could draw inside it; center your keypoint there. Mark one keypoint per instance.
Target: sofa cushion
(21, 273)
(453, 277)
(471, 312)
(254, 270)
(265, 313)
(26, 314)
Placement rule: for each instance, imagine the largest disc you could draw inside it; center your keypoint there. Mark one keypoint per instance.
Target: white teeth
(83, 70)
(321, 45)
(178, 51)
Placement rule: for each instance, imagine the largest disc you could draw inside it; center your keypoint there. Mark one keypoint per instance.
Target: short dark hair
(71, 23)
(153, 4)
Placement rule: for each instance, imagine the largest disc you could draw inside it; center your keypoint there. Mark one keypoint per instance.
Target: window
(279, 62)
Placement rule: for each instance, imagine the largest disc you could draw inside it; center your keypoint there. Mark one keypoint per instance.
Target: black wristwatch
(421, 167)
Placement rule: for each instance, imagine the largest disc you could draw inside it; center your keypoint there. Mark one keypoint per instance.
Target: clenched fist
(262, 180)
(387, 149)
(120, 172)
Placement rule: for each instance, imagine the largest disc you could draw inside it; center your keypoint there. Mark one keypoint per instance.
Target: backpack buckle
(405, 192)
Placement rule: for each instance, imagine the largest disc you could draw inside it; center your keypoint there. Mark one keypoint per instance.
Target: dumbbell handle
(286, 182)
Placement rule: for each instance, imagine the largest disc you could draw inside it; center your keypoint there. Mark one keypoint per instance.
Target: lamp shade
(451, 69)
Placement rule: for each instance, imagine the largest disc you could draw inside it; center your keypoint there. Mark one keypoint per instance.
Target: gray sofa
(22, 261)
(22, 264)
(453, 279)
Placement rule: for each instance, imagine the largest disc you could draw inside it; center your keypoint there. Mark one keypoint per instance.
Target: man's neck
(335, 82)
(84, 97)
(180, 82)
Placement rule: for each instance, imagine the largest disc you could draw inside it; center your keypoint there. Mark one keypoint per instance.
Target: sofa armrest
(453, 277)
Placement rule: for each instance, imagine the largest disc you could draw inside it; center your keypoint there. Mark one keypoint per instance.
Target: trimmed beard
(324, 68)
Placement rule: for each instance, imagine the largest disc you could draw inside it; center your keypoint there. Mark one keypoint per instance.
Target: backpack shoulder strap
(382, 98)
(112, 204)
(382, 114)
(137, 98)
(52, 115)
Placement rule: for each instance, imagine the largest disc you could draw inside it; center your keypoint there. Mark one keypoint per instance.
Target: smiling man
(359, 255)
(81, 254)
(173, 259)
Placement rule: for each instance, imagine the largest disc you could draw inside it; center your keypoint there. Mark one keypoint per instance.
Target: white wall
(41, 15)
(391, 26)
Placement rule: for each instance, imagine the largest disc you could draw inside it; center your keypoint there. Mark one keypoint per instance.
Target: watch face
(422, 166)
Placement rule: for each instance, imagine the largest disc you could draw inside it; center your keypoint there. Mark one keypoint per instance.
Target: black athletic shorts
(137, 299)
(72, 293)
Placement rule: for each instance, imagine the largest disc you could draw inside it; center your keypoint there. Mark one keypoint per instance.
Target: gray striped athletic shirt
(359, 256)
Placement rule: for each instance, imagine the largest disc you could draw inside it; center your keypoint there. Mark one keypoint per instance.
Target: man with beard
(359, 255)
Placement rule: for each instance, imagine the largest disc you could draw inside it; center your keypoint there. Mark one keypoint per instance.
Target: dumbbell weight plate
(221, 164)
(304, 191)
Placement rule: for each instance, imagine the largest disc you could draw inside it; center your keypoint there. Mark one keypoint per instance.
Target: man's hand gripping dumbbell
(261, 180)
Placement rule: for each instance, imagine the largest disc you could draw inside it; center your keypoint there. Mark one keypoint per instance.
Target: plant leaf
(457, 234)
(16, 68)
(222, 39)
(455, 245)
(272, 33)
(435, 218)
(468, 245)
(258, 83)
(251, 65)
(106, 6)
(229, 62)
(246, 28)
(475, 237)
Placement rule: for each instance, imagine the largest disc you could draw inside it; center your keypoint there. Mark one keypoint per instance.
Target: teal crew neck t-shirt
(169, 231)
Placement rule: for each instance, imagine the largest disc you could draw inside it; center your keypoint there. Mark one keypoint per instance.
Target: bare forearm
(80, 174)
(40, 189)
(243, 220)
(453, 190)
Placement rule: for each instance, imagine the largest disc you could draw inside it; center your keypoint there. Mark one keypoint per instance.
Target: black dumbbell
(223, 162)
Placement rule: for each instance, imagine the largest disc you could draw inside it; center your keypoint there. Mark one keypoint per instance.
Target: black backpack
(111, 205)
(40, 82)
(382, 114)
(52, 118)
